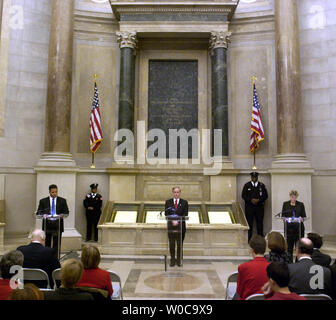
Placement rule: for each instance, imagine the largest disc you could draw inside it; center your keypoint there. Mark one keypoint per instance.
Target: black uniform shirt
(94, 200)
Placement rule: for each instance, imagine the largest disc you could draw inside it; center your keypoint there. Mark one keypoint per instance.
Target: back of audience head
(9, 259)
(276, 242)
(90, 257)
(278, 273)
(304, 247)
(258, 245)
(71, 273)
(316, 239)
(38, 235)
(29, 292)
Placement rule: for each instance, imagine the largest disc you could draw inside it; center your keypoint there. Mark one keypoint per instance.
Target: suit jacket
(44, 208)
(300, 277)
(38, 256)
(299, 211)
(321, 258)
(182, 210)
(67, 294)
(251, 192)
(251, 277)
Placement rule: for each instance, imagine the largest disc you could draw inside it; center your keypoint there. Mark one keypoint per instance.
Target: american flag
(257, 130)
(96, 136)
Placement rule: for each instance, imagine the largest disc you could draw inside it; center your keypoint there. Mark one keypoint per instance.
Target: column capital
(127, 39)
(219, 39)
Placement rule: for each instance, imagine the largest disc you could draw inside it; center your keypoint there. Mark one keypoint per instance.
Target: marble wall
(22, 139)
(317, 25)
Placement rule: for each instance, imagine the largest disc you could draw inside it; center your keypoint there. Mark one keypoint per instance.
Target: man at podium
(179, 207)
(294, 209)
(49, 207)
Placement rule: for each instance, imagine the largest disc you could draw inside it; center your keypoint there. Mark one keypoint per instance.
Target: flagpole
(92, 161)
(254, 78)
(92, 153)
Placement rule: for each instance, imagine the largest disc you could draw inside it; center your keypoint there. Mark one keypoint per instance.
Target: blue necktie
(53, 207)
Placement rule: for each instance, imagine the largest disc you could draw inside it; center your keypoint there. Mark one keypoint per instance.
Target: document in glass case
(221, 217)
(125, 216)
(153, 217)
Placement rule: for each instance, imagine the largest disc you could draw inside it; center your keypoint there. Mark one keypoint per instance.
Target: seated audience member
(36, 255)
(71, 272)
(252, 274)
(278, 248)
(29, 292)
(12, 258)
(92, 275)
(318, 257)
(302, 271)
(277, 286)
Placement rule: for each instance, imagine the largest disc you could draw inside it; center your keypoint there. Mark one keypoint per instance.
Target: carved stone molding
(127, 40)
(123, 8)
(219, 39)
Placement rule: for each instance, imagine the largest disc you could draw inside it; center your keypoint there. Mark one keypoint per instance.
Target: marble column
(58, 108)
(218, 48)
(289, 114)
(290, 168)
(127, 42)
(56, 165)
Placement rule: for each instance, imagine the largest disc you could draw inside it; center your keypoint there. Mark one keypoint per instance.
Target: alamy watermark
(152, 149)
(16, 19)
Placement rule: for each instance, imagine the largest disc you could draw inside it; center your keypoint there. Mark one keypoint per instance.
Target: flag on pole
(257, 130)
(96, 136)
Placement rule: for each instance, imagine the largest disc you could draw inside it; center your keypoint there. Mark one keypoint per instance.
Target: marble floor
(198, 278)
(147, 277)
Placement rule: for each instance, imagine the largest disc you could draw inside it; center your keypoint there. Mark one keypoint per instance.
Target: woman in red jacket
(92, 275)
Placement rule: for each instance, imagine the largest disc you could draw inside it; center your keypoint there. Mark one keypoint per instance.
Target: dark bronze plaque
(173, 104)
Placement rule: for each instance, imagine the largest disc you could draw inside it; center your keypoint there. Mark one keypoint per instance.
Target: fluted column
(289, 113)
(58, 108)
(219, 109)
(127, 42)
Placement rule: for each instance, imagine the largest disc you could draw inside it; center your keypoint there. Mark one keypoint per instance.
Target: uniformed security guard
(93, 204)
(254, 194)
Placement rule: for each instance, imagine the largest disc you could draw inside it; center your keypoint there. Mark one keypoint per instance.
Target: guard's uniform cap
(254, 174)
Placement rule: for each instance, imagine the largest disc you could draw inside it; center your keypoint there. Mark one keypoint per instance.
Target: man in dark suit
(302, 272)
(53, 205)
(179, 207)
(93, 203)
(254, 194)
(318, 257)
(36, 255)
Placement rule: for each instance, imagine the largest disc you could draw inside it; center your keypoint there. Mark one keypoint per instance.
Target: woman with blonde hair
(295, 209)
(71, 272)
(92, 275)
(278, 248)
